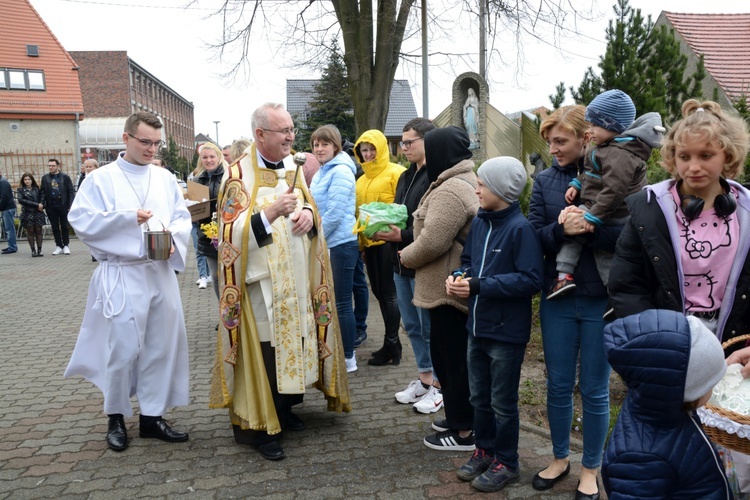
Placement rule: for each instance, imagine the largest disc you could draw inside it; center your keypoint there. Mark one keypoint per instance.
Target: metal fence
(13, 163)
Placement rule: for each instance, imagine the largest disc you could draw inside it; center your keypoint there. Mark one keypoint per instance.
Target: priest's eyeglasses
(286, 131)
(407, 144)
(148, 144)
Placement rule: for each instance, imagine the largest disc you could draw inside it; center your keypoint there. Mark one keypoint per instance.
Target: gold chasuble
(280, 293)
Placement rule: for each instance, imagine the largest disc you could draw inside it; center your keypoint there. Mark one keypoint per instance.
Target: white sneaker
(430, 402)
(413, 393)
(202, 283)
(209, 279)
(66, 250)
(198, 281)
(57, 251)
(351, 364)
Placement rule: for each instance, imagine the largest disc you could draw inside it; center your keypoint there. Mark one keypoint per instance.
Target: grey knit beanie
(706, 365)
(505, 176)
(612, 110)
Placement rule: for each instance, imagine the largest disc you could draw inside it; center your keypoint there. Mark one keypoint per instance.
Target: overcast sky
(171, 42)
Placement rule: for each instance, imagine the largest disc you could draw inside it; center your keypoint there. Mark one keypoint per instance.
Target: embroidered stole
(302, 344)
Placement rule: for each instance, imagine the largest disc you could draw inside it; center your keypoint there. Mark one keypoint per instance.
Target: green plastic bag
(378, 216)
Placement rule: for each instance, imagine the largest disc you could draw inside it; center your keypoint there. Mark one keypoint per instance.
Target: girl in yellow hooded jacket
(379, 184)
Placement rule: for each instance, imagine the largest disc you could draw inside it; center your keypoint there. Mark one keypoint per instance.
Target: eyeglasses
(148, 144)
(407, 144)
(286, 131)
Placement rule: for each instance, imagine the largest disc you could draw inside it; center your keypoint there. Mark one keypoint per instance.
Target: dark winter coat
(213, 181)
(503, 258)
(657, 449)
(647, 271)
(67, 192)
(412, 185)
(6, 195)
(547, 201)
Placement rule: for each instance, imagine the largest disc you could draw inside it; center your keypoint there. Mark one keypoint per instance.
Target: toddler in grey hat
(613, 168)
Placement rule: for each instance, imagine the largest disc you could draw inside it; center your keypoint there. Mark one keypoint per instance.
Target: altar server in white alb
(133, 339)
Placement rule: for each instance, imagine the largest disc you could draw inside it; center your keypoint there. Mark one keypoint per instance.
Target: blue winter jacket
(657, 449)
(332, 188)
(503, 258)
(547, 201)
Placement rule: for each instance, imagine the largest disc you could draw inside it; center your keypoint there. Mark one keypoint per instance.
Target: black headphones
(692, 206)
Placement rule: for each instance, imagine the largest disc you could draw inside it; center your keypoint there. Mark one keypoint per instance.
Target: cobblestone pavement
(52, 429)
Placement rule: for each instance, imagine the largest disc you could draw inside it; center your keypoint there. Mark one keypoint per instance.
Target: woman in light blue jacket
(333, 191)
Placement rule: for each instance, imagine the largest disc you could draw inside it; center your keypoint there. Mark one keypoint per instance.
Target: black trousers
(380, 273)
(58, 218)
(282, 402)
(448, 345)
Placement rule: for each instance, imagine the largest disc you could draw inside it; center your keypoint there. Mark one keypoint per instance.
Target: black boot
(117, 436)
(388, 353)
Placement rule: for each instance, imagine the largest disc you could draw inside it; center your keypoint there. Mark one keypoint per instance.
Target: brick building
(126, 89)
(40, 97)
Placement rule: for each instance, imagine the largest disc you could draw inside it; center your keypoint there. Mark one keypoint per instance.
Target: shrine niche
(468, 110)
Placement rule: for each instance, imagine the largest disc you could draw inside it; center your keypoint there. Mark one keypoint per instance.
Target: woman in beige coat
(441, 224)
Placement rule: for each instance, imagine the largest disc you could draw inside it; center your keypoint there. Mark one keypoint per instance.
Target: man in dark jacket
(57, 197)
(412, 185)
(8, 209)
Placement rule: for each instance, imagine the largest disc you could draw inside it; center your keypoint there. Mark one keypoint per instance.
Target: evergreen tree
(171, 155)
(634, 62)
(590, 87)
(331, 103)
(559, 96)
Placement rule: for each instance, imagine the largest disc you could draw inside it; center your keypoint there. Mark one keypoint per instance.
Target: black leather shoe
(161, 430)
(117, 436)
(586, 496)
(294, 423)
(541, 484)
(271, 450)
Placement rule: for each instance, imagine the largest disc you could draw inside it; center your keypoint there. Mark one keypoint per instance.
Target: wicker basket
(718, 436)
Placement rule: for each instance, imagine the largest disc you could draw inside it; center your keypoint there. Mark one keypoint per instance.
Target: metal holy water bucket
(158, 243)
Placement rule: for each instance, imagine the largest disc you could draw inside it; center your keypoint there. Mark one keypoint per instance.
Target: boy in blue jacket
(502, 268)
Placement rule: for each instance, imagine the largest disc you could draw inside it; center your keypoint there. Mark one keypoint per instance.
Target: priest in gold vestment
(274, 272)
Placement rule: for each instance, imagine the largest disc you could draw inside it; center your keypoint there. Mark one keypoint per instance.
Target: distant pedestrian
(8, 209)
(32, 213)
(57, 197)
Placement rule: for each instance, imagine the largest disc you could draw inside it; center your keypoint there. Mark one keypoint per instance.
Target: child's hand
(458, 286)
(571, 194)
(588, 227)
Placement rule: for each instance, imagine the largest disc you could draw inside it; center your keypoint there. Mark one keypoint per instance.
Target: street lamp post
(216, 122)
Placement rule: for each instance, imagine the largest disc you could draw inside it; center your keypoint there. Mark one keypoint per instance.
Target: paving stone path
(52, 429)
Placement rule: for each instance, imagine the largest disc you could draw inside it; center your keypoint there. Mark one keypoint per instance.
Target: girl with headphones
(685, 246)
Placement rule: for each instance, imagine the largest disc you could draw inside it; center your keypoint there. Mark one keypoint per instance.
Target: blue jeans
(416, 322)
(203, 271)
(343, 261)
(571, 327)
(10, 227)
(494, 375)
(361, 295)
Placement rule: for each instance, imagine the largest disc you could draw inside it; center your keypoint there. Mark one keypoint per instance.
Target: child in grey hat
(501, 269)
(613, 169)
(657, 448)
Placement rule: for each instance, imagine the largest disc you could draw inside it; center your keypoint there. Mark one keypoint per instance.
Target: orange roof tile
(724, 41)
(20, 25)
